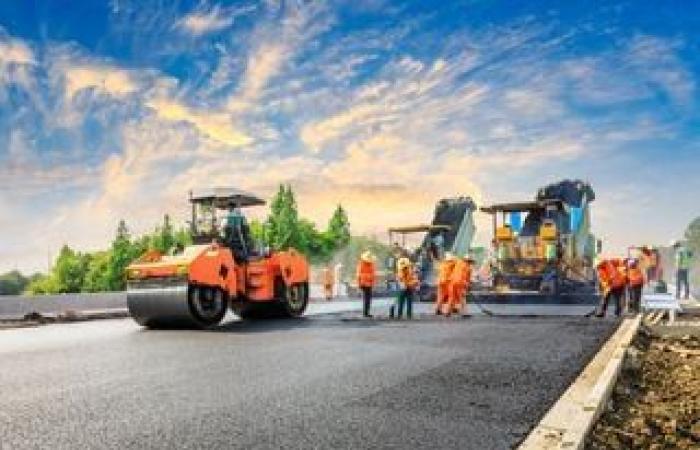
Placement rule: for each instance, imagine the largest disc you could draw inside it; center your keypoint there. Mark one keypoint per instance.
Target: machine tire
(294, 300)
(207, 305)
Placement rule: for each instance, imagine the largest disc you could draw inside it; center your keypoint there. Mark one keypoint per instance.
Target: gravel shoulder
(656, 402)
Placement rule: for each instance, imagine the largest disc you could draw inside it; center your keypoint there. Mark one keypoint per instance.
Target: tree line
(102, 271)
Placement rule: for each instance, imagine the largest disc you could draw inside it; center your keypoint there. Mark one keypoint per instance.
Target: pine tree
(163, 239)
(339, 228)
(123, 252)
(283, 222)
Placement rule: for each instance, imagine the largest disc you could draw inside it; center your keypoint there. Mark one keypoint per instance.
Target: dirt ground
(656, 402)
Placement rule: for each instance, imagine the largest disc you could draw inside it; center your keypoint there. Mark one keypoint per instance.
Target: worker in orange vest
(621, 266)
(612, 285)
(328, 283)
(408, 283)
(635, 284)
(442, 299)
(459, 282)
(365, 280)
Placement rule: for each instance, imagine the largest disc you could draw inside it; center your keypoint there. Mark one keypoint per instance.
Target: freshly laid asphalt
(325, 381)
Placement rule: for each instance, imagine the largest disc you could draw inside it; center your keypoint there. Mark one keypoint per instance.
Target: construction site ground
(656, 402)
(330, 380)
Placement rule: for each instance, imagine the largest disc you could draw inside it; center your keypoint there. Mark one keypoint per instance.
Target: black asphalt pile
(656, 403)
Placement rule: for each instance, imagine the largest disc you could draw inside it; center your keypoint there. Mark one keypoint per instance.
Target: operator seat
(237, 236)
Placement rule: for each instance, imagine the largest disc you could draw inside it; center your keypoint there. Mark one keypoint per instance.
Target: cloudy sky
(115, 109)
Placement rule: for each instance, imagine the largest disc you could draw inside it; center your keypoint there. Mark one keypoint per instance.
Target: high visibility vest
(406, 277)
(445, 271)
(683, 258)
(550, 251)
(365, 274)
(460, 273)
(635, 277)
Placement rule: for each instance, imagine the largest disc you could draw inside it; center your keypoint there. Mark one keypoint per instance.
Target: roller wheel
(207, 305)
(295, 299)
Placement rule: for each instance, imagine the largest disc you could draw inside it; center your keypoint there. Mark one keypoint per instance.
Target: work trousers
(616, 296)
(405, 298)
(443, 297)
(635, 297)
(682, 280)
(457, 291)
(366, 299)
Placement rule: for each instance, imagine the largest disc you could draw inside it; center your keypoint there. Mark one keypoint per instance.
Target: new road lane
(330, 380)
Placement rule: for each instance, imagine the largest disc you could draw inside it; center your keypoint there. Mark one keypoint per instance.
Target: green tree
(163, 239)
(258, 231)
(70, 269)
(283, 223)
(339, 228)
(13, 283)
(97, 276)
(122, 254)
(43, 284)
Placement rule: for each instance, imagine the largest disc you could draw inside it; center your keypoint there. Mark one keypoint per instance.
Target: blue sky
(116, 109)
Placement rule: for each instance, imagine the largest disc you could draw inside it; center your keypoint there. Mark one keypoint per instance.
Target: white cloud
(14, 51)
(215, 125)
(17, 63)
(110, 80)
(208, 20)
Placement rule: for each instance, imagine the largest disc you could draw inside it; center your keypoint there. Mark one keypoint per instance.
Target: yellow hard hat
(404, 262)
(449, 256)
(367, 256)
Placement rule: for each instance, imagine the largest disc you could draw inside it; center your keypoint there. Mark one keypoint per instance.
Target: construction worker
(442, 299)
(408, 283)
(612, 285)
(683, 257)
(621, 266)
(635, 284)
(328, 283)
(459, 283)
(366, 276)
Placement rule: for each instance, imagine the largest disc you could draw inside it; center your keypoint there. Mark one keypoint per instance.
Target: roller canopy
(226, 198)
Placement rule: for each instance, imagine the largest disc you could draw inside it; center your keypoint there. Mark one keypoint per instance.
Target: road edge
(567, 424)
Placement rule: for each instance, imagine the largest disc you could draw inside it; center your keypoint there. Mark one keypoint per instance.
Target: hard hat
(449, 256)
(404, 262)
(367, 256)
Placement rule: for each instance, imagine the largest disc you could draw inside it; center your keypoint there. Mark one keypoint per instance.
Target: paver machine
(543, 250)
(194, 286)
(452, 230)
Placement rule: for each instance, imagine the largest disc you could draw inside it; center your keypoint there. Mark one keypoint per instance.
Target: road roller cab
(223, 268)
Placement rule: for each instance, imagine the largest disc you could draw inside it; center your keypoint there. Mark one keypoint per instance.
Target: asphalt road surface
(325, 381)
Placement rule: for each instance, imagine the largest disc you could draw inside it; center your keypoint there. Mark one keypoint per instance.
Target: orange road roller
(224, 268)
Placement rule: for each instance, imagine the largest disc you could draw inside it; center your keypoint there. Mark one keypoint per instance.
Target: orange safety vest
(407, 278)
(445, 271)
(461, 273)
(609, 276)
(635, 277)
(619, 278)
(365, 274)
